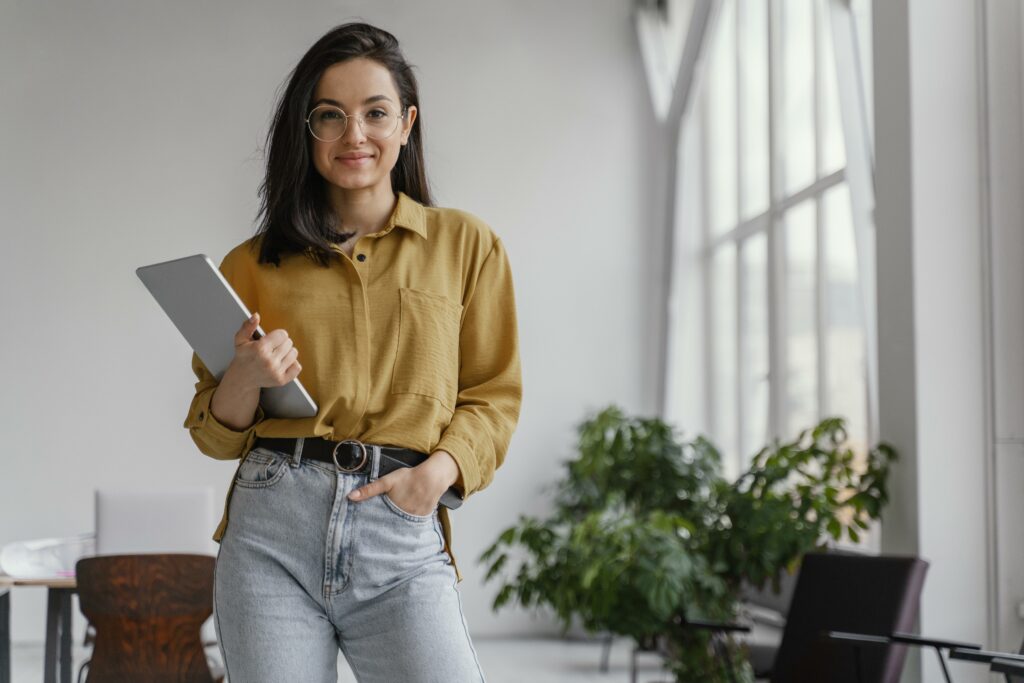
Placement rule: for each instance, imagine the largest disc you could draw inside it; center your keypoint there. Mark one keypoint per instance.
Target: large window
(770, 314)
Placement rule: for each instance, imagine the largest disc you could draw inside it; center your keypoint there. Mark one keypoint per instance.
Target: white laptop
(165, 520)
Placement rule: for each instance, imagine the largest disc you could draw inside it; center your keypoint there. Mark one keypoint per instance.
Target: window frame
(835, 17)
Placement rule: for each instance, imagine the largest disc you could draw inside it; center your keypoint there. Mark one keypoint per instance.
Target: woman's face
(358, 87)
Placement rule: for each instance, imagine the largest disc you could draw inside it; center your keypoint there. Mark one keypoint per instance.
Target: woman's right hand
(269, 361)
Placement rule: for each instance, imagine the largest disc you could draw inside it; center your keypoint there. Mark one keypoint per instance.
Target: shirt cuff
(469, 471)
(224, 439)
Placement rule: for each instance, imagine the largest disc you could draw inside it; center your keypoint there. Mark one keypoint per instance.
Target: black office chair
(844, 592)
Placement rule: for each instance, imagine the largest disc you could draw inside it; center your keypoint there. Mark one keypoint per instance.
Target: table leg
(58, 636)
(5, 636)
(52, 625)
(65, 635)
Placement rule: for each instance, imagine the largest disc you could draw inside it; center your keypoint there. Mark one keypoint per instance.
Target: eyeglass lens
(327, 123)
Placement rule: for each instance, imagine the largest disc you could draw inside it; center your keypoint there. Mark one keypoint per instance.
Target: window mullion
(820, 308)
(741, 327)
(752, 225)
(820, 275)
(741, 365)
(776, 243)
(711, 416)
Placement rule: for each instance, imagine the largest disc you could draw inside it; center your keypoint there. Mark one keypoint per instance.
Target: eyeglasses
(328, 123)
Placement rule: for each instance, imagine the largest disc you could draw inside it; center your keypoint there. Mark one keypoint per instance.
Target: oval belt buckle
(334, 455)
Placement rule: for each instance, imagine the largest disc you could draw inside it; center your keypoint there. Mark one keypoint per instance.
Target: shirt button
(361, 257)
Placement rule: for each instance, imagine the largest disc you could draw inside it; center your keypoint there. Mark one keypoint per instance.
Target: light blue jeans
(302, 571)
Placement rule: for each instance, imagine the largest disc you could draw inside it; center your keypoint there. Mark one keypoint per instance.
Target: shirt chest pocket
(427, 360)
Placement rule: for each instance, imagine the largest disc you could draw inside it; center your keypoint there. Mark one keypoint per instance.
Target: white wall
(130, 133)
(948, 316)
(947, 119)
(1005, 166)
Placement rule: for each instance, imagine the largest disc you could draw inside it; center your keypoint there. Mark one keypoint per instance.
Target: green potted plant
(646, 533)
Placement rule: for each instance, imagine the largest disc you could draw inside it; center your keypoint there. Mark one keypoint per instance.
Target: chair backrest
(858, 593)
(147, 611)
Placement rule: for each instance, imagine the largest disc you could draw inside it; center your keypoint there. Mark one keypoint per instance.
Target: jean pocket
(427, 359)
(261, 468)
(419, 519)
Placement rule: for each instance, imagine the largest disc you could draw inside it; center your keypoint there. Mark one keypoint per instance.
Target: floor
(504, 660)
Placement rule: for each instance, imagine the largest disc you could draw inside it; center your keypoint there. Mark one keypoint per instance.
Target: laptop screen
(130, 521)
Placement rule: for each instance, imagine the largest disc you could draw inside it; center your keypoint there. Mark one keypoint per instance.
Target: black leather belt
(354, 457)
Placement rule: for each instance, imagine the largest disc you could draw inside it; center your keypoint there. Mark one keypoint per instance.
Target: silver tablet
(207, 311)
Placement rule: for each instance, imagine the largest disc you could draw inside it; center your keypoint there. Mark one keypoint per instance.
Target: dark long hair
(295, 215)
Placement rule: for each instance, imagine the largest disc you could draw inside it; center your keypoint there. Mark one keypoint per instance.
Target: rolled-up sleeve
(211, 436)
(490, 377)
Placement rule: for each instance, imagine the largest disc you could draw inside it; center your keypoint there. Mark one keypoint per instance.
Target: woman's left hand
(416, 490)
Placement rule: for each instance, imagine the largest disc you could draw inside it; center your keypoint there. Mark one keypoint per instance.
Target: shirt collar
(408, 214)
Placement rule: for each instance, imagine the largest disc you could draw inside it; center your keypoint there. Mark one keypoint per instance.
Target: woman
(405, 318)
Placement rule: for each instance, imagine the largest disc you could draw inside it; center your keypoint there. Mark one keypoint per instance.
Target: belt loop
(297, 456)
(374, 462)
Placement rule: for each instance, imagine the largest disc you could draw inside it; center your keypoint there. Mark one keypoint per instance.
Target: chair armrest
(914, 639)
(902, 638)
(862, 638)
(1001, 665)
(984, 656)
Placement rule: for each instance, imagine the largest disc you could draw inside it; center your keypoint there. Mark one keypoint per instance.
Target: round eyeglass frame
(357, 117)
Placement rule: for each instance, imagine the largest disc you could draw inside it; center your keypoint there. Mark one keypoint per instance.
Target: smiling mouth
(361, 161)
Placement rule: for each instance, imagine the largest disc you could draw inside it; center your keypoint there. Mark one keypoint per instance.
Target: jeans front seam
(342, 531)
(347, 534)
(332, 531)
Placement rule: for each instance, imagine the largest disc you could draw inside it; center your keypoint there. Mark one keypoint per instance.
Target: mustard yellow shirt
(410, 342)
